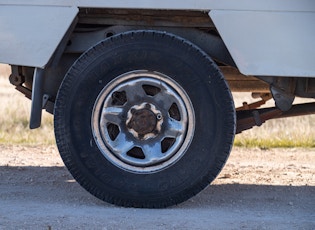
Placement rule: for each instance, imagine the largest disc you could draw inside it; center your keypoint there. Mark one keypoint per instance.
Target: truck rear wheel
(144, 119)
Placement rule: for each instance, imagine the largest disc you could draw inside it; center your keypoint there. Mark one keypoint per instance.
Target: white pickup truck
(141, 90)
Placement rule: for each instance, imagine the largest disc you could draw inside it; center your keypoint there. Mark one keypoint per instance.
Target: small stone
(227, 175)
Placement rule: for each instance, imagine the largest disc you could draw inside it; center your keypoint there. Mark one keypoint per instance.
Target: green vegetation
(267, 143)
(14, 123)
(19, 133)
(280, 133)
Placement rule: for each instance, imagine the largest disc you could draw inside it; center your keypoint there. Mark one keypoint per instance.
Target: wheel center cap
(143, 121)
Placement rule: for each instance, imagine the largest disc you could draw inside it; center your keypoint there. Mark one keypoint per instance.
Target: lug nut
(159, 116)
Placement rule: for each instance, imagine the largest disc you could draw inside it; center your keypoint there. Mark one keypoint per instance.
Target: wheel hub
(144, 121)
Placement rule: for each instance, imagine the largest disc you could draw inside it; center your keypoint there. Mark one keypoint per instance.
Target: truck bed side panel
(269, 43)
(30, 34)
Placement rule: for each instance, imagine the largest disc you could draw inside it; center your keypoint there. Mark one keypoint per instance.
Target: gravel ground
(257, 189)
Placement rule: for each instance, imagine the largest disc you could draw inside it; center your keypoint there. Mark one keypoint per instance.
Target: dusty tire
(144, 119)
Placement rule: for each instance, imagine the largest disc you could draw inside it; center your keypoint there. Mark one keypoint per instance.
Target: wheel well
(86, 35)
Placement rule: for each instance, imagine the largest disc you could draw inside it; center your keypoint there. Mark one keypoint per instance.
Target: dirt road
(258, 189)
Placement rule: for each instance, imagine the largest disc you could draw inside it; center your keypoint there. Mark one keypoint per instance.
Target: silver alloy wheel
(143, 121)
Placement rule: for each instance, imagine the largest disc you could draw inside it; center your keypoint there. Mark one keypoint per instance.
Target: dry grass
(15, 110)
(286, 132)
(14, 116)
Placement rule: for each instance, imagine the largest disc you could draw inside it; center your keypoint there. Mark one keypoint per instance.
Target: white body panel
(269, 43)
(29, 35)
(264, 37)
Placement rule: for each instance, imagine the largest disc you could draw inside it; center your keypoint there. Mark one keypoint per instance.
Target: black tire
(121, 88)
